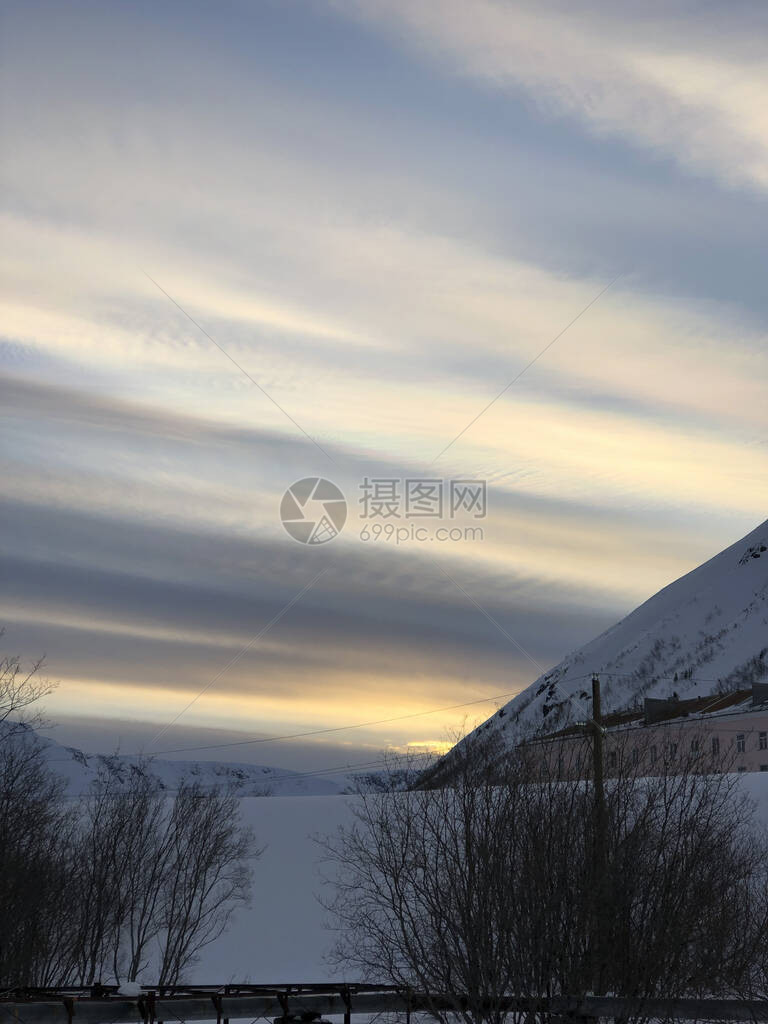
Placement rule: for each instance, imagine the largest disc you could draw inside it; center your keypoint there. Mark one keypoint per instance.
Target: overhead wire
(398, 718)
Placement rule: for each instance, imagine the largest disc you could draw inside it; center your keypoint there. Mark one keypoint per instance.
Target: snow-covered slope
(704, 632)
(80, 769)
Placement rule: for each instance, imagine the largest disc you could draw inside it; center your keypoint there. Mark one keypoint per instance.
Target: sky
(246, 244)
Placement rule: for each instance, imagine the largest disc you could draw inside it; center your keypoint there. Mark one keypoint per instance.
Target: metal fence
(307, 1002)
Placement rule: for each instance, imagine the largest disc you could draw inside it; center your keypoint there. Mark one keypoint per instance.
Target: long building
(727, 731)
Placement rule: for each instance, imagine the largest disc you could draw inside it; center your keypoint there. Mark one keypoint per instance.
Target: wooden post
(345, 994)
(597, 745)
(601, 909)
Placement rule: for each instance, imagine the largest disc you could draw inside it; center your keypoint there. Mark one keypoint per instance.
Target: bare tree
(157, 876)
(208, 874)
(35, 835)
(129, 878)
(20, 687)
(118, 871)
(685, 862)
(425, 892)
(142, 866)
(94, 879)
(486, 887)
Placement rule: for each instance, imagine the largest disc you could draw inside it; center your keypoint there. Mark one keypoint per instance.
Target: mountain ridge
(704, 632)
(79, 769)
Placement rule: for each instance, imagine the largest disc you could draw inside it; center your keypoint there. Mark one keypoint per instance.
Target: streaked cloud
(382, 227)
(695, 89)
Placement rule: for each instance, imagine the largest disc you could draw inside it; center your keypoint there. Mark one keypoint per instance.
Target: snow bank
(281, 937)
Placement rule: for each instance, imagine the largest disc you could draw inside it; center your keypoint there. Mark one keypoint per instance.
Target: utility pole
(599, 880)
(597, 747)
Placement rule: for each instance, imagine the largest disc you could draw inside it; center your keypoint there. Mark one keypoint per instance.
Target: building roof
(655, 711)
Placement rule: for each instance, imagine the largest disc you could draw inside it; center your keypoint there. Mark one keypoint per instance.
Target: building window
(764, 767)
(762, 741)
(672, 751)
(612, 759)
(694, 746)
(654, 754)
(715, 746)
(635, 755)
(741, 745)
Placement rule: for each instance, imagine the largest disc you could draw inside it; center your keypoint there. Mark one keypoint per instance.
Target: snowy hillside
(704, 632)
(80, 769)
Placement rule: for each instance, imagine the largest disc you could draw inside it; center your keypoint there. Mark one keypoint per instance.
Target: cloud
(227, 479)
(372, 636)
(383, 250)
(692, 89)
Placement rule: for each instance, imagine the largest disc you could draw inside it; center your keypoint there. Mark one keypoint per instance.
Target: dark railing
(306, 1002)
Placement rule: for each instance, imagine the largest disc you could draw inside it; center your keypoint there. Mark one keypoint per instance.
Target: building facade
(721, 732)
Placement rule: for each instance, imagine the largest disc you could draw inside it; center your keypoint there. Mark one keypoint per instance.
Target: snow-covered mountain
(705, 632)
(80, 769)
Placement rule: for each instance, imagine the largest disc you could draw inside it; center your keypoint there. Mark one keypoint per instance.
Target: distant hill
(80, 769)
(706, 632)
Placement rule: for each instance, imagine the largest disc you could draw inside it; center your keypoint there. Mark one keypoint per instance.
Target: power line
(300, 735)
(387, 721)
(358, 766)
(321, 732)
